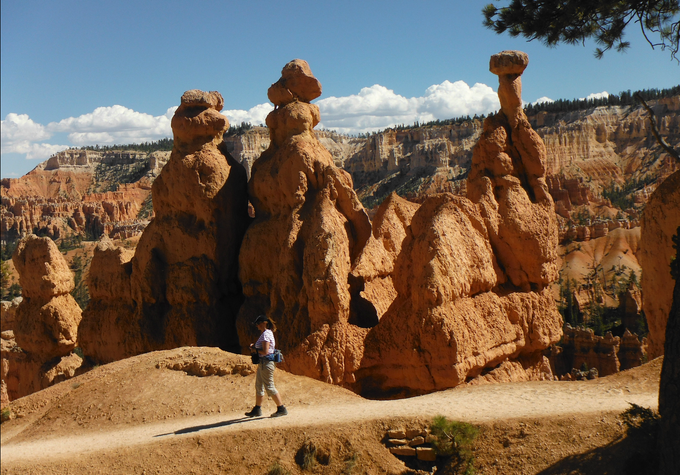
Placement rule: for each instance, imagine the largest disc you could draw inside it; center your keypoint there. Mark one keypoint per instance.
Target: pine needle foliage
(454, 439)
(574, 21)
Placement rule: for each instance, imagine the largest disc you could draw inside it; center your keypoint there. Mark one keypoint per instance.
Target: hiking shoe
(280, 411)
(256, 412)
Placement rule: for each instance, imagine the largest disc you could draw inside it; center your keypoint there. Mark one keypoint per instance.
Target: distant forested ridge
(162, 145)
(625, 98)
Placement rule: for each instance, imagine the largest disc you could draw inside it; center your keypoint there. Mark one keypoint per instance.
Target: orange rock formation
(309, 228)
(45, 323)
(472, 275)
(181, 286)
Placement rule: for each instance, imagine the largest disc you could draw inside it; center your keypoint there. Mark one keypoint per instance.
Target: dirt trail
(472, 404)
(144, 415)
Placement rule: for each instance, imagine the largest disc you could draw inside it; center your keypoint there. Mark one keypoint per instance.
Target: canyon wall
(660, 222)
(587, 151)
(82, 192)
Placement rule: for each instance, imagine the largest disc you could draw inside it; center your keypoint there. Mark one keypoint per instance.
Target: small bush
(454, 439)
(6, 415)
(306, 456)
(278, 469)
(350, 463)
(641, 420)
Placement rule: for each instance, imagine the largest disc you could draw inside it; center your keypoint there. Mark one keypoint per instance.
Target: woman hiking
(264, 378)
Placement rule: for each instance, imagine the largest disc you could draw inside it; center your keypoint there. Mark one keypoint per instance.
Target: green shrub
(6, 415)
(454, 439)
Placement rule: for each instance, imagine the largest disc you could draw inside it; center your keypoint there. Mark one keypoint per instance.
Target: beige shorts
(264, 378)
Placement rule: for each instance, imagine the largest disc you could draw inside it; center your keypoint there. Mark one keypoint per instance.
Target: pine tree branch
(670, 150)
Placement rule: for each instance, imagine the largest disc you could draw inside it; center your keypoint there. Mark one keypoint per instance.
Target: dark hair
(271, 325)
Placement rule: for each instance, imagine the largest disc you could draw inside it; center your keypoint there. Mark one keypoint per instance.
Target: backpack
(277, 356)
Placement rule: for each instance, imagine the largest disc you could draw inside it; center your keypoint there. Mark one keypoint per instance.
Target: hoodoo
(181, 287)
(46, 320)
(309, 228)
(472, 274)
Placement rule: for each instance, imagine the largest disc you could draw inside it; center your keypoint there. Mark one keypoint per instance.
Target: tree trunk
(669, 388)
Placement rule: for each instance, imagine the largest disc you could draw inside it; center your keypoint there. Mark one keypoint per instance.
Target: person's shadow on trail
(188, 430)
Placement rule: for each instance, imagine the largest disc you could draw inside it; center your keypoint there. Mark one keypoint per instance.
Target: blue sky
(81, 73)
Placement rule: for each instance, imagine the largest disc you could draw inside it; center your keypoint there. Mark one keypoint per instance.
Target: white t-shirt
(267, 335)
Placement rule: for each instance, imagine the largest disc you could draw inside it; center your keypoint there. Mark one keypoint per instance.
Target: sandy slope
(139, 406)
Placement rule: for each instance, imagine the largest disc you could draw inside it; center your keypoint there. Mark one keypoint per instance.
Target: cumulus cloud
(255, 115)
(19, 134)
(114, 125)
(20, 128)
(373, 108)
(377, 107)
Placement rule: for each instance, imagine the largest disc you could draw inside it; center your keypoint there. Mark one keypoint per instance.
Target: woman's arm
(264, 350)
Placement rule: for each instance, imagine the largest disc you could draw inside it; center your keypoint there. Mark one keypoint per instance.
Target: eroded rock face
(507, 179)
(447, 325)
(309, 228)
(660, 221)
(373, 272)
(48, 317)
(38, 343)
(182, 280)
(110, 329)
(472, 274)
(61, 196)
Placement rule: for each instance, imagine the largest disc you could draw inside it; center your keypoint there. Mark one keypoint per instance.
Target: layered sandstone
(472, 274)
(247, 147)
(38, 342)
(180, 288)
(610, 143)
(309, 228)
(80, 192)
(660, 221)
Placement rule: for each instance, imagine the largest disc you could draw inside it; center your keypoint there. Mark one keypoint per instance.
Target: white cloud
(20, 127)
(19, 134)
(373, 108)
(255, 115)
(115, 124)
(377, 107)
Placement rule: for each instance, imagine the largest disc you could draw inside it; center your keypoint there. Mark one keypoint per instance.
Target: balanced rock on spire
(309, 228)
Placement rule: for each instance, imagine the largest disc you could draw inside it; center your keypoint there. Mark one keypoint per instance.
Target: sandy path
(472, 404)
